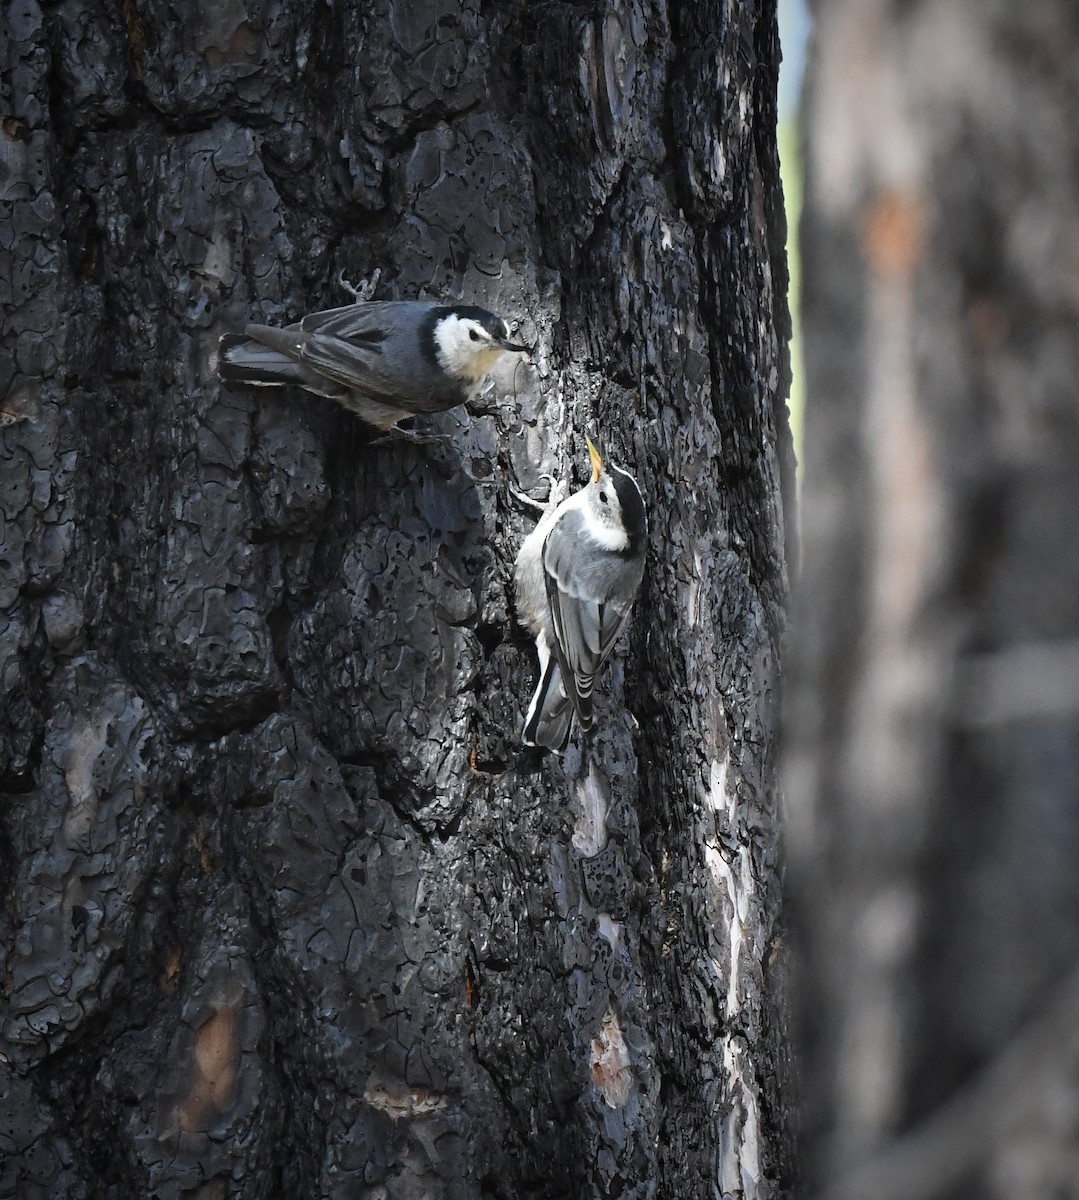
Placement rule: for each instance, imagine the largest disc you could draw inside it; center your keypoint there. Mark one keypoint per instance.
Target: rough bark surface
(936, 718)
(288, 911)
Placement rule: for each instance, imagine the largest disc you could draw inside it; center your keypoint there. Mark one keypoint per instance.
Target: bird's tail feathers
(242, 359)
(583, 702)
(550, 713)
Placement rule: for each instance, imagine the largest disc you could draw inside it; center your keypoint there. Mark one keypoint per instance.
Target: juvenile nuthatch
(577, 575)
(383, 360)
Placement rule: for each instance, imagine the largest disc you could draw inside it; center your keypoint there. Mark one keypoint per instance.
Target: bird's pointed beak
(513, 347)
(597, 462)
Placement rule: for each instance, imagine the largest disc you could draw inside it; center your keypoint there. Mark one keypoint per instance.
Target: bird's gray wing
(371, 319)
(369, 347)
(587, 623)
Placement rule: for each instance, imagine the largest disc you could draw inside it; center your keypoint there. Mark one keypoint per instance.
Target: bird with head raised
(577, 574)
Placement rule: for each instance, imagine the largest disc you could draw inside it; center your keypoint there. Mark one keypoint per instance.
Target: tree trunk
(935, 734)
(289, 911)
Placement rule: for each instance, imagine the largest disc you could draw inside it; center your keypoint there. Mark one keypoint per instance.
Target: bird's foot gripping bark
(554, 496)
(410, 436)
(360, 292)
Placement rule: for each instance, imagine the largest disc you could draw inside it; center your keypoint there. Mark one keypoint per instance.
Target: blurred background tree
(933, 759)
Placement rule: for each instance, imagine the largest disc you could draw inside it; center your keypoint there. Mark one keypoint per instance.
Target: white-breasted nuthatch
(383, 359)
(577, 575)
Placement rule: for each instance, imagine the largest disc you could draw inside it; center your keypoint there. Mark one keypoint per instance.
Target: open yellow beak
(597, 462)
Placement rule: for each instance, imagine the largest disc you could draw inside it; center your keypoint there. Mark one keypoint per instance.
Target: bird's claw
(360, 292)
(526, 500)
(410, 436)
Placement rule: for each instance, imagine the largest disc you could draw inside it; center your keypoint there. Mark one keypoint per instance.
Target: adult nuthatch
(577, 575)
(383, 360)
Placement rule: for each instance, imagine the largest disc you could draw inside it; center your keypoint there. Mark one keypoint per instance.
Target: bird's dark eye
(473, 335)
(603, 497)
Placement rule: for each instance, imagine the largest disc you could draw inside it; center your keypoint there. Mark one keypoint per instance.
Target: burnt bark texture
(935, 718)
(287, 909)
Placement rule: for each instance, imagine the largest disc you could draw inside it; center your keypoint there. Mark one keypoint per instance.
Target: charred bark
(936, 741)
(288, 910)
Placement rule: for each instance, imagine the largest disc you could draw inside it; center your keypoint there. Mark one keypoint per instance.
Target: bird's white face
(603, 513)
(465, 349)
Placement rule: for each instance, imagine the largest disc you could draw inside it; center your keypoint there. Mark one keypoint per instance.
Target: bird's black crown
(630, 502)
(494, 325)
